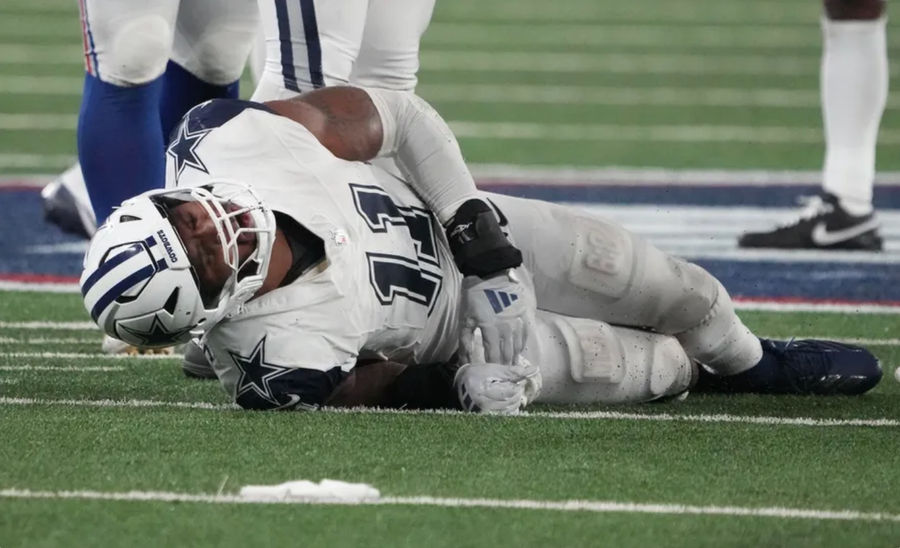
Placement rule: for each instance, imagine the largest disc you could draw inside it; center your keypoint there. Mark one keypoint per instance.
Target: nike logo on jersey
(500, 300)
(821, 236)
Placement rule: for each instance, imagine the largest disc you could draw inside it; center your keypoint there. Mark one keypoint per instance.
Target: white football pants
(317, 43)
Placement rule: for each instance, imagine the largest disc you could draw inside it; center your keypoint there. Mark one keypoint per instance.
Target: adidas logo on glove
(500, 300)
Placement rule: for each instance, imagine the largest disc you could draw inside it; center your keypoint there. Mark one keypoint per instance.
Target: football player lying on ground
(297, 261)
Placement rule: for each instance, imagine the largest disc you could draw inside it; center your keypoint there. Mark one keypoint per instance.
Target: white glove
(497, 388)
(503, 309)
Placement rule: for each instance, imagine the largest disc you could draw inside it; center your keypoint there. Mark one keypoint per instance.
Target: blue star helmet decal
(157, 335)
(264, 385)
(183, 148)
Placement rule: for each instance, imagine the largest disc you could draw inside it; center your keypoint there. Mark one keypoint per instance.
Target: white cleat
(118, 348)
(66, 204)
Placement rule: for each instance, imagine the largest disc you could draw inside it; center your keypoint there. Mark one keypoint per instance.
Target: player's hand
(502, 308)
(497, 388)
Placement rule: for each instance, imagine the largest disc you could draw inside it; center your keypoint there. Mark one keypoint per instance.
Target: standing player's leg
(309, 44)
(854, 85)
(120, 142)
(212, 41)
(586, 267)
(389, 54)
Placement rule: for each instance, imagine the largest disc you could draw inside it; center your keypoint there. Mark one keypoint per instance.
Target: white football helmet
(138, 284)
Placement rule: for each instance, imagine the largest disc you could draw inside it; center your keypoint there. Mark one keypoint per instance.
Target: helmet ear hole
(172, 301)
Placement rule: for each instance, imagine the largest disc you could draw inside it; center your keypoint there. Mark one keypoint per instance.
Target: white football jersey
(389, 289)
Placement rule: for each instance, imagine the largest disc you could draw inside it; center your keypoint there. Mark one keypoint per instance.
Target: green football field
(103, 451)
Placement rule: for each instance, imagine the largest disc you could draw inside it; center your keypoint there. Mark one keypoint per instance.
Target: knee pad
(688, 295)
(138, 51)
(586, 361)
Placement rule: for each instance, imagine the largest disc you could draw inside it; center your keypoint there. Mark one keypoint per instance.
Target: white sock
(854, 85)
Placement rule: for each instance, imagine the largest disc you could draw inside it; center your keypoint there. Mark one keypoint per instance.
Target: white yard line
(43, 122)
(593, 176)
(91, 356)
(519, 504)
(95, 340)
(44, 287)
(622, 63)
(51, 340)
(552, 132)
(569, 415)
(65, 368)
(35, 161)
(621, 95)
(549, 175)
(48, 325)
(657, 133)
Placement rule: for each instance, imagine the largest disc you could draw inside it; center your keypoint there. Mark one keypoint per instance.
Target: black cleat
(823, 367)
(823, 224)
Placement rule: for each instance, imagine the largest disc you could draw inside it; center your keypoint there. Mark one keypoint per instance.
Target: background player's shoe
(66, 207)
(195, 365)
(116, 347)
(811, 366)
(823, 224)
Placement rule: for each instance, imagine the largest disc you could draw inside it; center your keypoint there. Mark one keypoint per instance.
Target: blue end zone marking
(885, 197)
(287, 47)
(35, 247)
(313, 48)
(116, 291)
(104, 269)
(809, 280)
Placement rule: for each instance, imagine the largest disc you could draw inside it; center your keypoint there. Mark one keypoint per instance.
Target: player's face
(200, 236)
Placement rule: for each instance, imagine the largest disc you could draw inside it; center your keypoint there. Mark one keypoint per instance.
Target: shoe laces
(806, 367)
(813, 206)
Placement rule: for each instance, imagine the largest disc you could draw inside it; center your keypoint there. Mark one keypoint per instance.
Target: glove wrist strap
(479, 246)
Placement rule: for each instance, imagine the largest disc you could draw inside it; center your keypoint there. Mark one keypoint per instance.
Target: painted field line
(622, 96)
(51, 340)
(35, 161)
(622, 35)
(549, 175)
(48, 325)
(65, 368)
(576, 415)
(95, 340)
(120, 403)
(89, 356)
(45, 287)
(673, 133)
(518, 504)
(796, 306)
(9, 381)
(622, 63)
(43, 122)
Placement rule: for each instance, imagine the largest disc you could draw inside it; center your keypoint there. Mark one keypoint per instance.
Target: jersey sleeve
(275, 368)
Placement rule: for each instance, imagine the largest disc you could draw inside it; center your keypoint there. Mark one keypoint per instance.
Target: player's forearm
(366, 386)
(394, 385)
